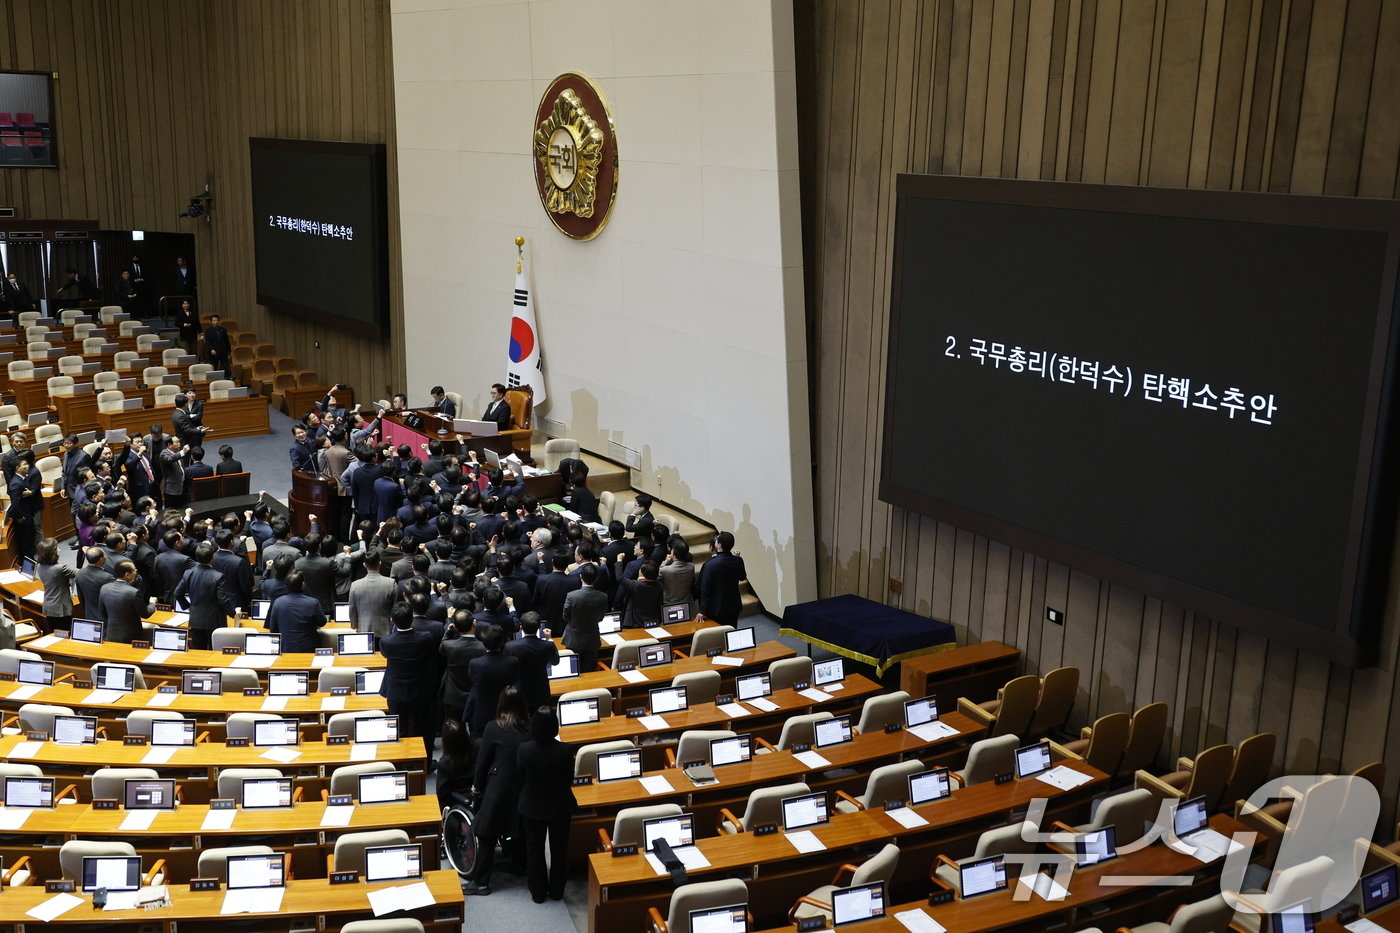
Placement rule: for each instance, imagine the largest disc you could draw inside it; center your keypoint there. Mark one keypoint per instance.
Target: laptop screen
(29, 792)
(654, 655)
(35, 672)
(1095, 847)
(982, 876)
(828, 672)
(619, 766)
(266, 793)
(854, 904)
(578, 712)
(257, 871)
(1189, 816)
(384, 787)
(676, 830)
(675, 612)
(86, 630)
(1378, 889)
(260, 607)
(287, 683)
(393, 863)
(612, 622)
(376, 729)
(75, 730)
(170, 639)
(732, 750)
(804, 811)
(172, 732)
(928, 786)
(829, 732)
(263, 643)
(201, 682)
(1033, 759)
(354, 643)
(368, 681)
(741, 639)
(114, 677)
(1295, 919)
(667, 699)
(342, 612)
(567, 667)
(113, 872)
(149, 794)
(276, 732)
(28, 567)
(753, 686)
(731, 919)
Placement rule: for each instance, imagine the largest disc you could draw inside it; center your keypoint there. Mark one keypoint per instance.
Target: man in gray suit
(371, 597)
(123, 605)
(211, 603)
(90, 581)
(584, 608)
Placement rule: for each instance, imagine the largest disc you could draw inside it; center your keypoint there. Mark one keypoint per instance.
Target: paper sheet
(137, 820)
(812, 760)
(24, 691)
(162, 699)
(122, 900)
(12, 576)
(35, 597)
(733, 710)
(653, 722)
(157, 657)
(273, 704)
(54, 907)
(1044, 886)
(25, 750)
(1063, 778)
(722, 660)
(177, 620)
(762, 703)
(657, 784)
(834, 688)
(43, 641)
(1208, 845)
(252, 901)
(322, 660)
(364, 751)
(158, 755)
(102, 697)
(805, 841)
(218, 819)
(14, 817)
(1365, 926)
(329, 704)
(657, 631)
(812, 693)
(281, 753)
(933, 731)
(253, 660)
(612, 639)
(337, 816)
(633, 677)
(916, 921)
(690, 857)
(401, 897)
(906, 817)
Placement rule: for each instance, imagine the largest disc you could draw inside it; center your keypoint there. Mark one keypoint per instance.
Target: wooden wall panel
(1274, 95)
(156, 98)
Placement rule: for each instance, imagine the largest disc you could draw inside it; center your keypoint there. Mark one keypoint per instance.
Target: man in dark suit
(196, 469)
(210, 601)
(442, 404)
(458, 647)
(216, 344)
(719, 581)
(546, 805)
(227, 464)
(489, 675)
(643, 598)
(584, 608)
(171, 565)
(640, 521)
(409, 657)
(90, 581)
(26, 505)
(238, 573)
(536, 653)
(511, 585)
(139, 471)
(499, 410)
(301, 454)
(319, 570)
(189, 419)
(17, 297)
(137, 271)
(75, 460)
(551, 589)
(362, 486)
(184, 277)
(123, 605)
(297, 615)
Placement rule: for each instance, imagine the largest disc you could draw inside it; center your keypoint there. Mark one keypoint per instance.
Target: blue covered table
(863, 630)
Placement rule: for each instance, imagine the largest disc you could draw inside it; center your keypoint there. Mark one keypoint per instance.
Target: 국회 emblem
(575, 156)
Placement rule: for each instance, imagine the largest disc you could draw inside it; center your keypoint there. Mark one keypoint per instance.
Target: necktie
(147, 467)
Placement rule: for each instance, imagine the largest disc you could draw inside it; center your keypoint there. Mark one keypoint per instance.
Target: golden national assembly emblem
(575, 156)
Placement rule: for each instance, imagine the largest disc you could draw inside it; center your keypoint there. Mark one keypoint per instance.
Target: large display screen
(1185, 391)
(319, 232)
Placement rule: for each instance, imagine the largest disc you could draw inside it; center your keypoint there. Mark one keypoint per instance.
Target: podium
(312, 494)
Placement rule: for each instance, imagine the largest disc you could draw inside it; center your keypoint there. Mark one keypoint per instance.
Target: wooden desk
(758, 657)
(170, 664)
(310, 900)
(302, 399)
(620, 889)
(972, 671)
(227, 417)
(393, 429)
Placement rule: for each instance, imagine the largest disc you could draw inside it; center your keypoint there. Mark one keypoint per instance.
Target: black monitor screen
(319, 236)
(1154, 385)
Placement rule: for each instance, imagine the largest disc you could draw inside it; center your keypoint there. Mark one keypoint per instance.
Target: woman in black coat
(188, 323)
(547, 803)
(499, 786)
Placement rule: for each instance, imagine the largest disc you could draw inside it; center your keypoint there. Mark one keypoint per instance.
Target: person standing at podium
(302, 456)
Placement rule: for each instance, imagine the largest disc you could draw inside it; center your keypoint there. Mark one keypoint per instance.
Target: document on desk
(907, 817)
(815, 695)
(281, 753)
(657, 784)
(332, 703)
(337, 816)
(162, 699)
(138, 820)
(657, 631)
(158, 755)
(122, 900)
(724, 660)
(23, 692)
(253, 660)
(44, 641)
(25, 750)
(364, 751)
(156, 657)
(733, 710)
(812, 760)
(612, 639)
(1365, 926)
(14, 817)
(690, 857)
(252, 901)
(916, 921)
(1207, 845)
(35, 597)
(1044, 886)
(653, 722)
(273, 704)
(54, 907)
(633, 677)
(1063, 778)
(762, 703)
(218, 819)
(12, 576)
(805, 841)
(102, 697)
(401, 897)
(933, 731)
(322, 660)
(177, 620)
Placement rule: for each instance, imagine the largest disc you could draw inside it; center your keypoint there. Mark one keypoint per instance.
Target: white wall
(679, 331)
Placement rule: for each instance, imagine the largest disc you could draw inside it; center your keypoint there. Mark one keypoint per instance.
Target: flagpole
(519, 253)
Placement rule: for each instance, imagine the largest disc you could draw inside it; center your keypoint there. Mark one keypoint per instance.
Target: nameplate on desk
(626, 667)
(801, 747)
(8, 678)
(940, 897)
(894, 805)
(339, 800)
(252, 691)
(82, 684)
(344, 877)
(893, 727)
(204, 884)
(340, 692)
(1348, 914)
(167, 689)
(807, 924)
(637, 713)
(222, 803)
(37, 736)
(619, 851)
(337, 740)
(1004, 778)
(724, 699)
(697, 763)
(61, 886)
(104, 803)
(582, 780)
(714, 652)
(141, 644)
(133, 740)
(801, 685)
(236, 743)
(232, 649)
(324, 652)
(765, 829)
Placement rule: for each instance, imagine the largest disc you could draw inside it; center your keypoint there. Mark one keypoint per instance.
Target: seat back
(110, 783)
(329, 678)
(1298, 884)
(138, 721)
(879, 867)
(694, 744)
(607, 507)
(707, 639)
(586, 761)
(38, 349)
(627, 652)
(230, 783)
(602, 694)
(456, 399)
(556, 449)
(1144, 738)
(236, 679)
(1209, 773)
(11, 769)
(1057, 692)
(627, 825)
(785, 672)
(797, 730)
(154, 375)
(81, 331)
(110, 399)
(700, 686)
(60, 385)
(307, 378)
(344, 723)
(145, 343)
(989, 757)
(10, 414)
(139, 679)
(1006, 840)
(68, 315)
(227, 637)
(125, 359)
(881, 711)
(287, 364)
(765, 803)
(1253, 759)
(243, 353)
(50, 468)
(701, 895)
(1212, 915)
(206, 488)
(199, 372)
(70, 365)
(350, 848)
(240, 725)
(36, 332)
(522, 403)
(219, 388)
(889, 782)
(213, 863)
(128, 327)
(38, 717)
(108, 313)
(103, 381)
(93, 345)
(72, 853)
(1018, 701)
(170, 356)
(1127, 812)
(10, 658)
(345, 779)
(1107, 740)
(20, 369)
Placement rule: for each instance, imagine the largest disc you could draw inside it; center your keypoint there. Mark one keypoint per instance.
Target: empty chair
(607, 506)
(797, 730)
(199, 372)
(559, 448)
(700, 686)
(1212, 915)
(125, 359)
(307, 378)
(1299, 884)
(128, 327)
(260, 373)
(282, 383)
(110, 400)
(219, 388)
(154, 375)
(1103, 749)
(145, 343)
(70, 365)
(72, 853)
(1253, 759)
(1057, 692)
(694, 745)
(170, 356)
(345, 779)
(11, 769)
(20, 369)
(10, 658)
(36, 332)
(108, 313)
(60, 385)
(879, 867)
(586, 760)
(331, 678)
(102, 382)
(213, 863)
(696, 896)
(708, 639)
(50, 468)
(887, 782)
(48, 433)
(602, 694)
(349, 854)
(236, 679)
(240, 725)
(763, 806)
(1205, 777)
(165, 395)
(110, 783)
(26, 319)
(139, 679)
(68, 315)
(230, 782)
(93, 345)
(228, 637)
(988, 758)
(627, 652)
(1145, 735)
(38, 349)
(10, 415)
(785, 672)
(881, 711)
(38, 717)
(287, 364)
(627, 825)
(1127, 812)
(1003, 840)
(397, 925)
(1011, 712)
(138, 721)
(81, 331)
(344, 723)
